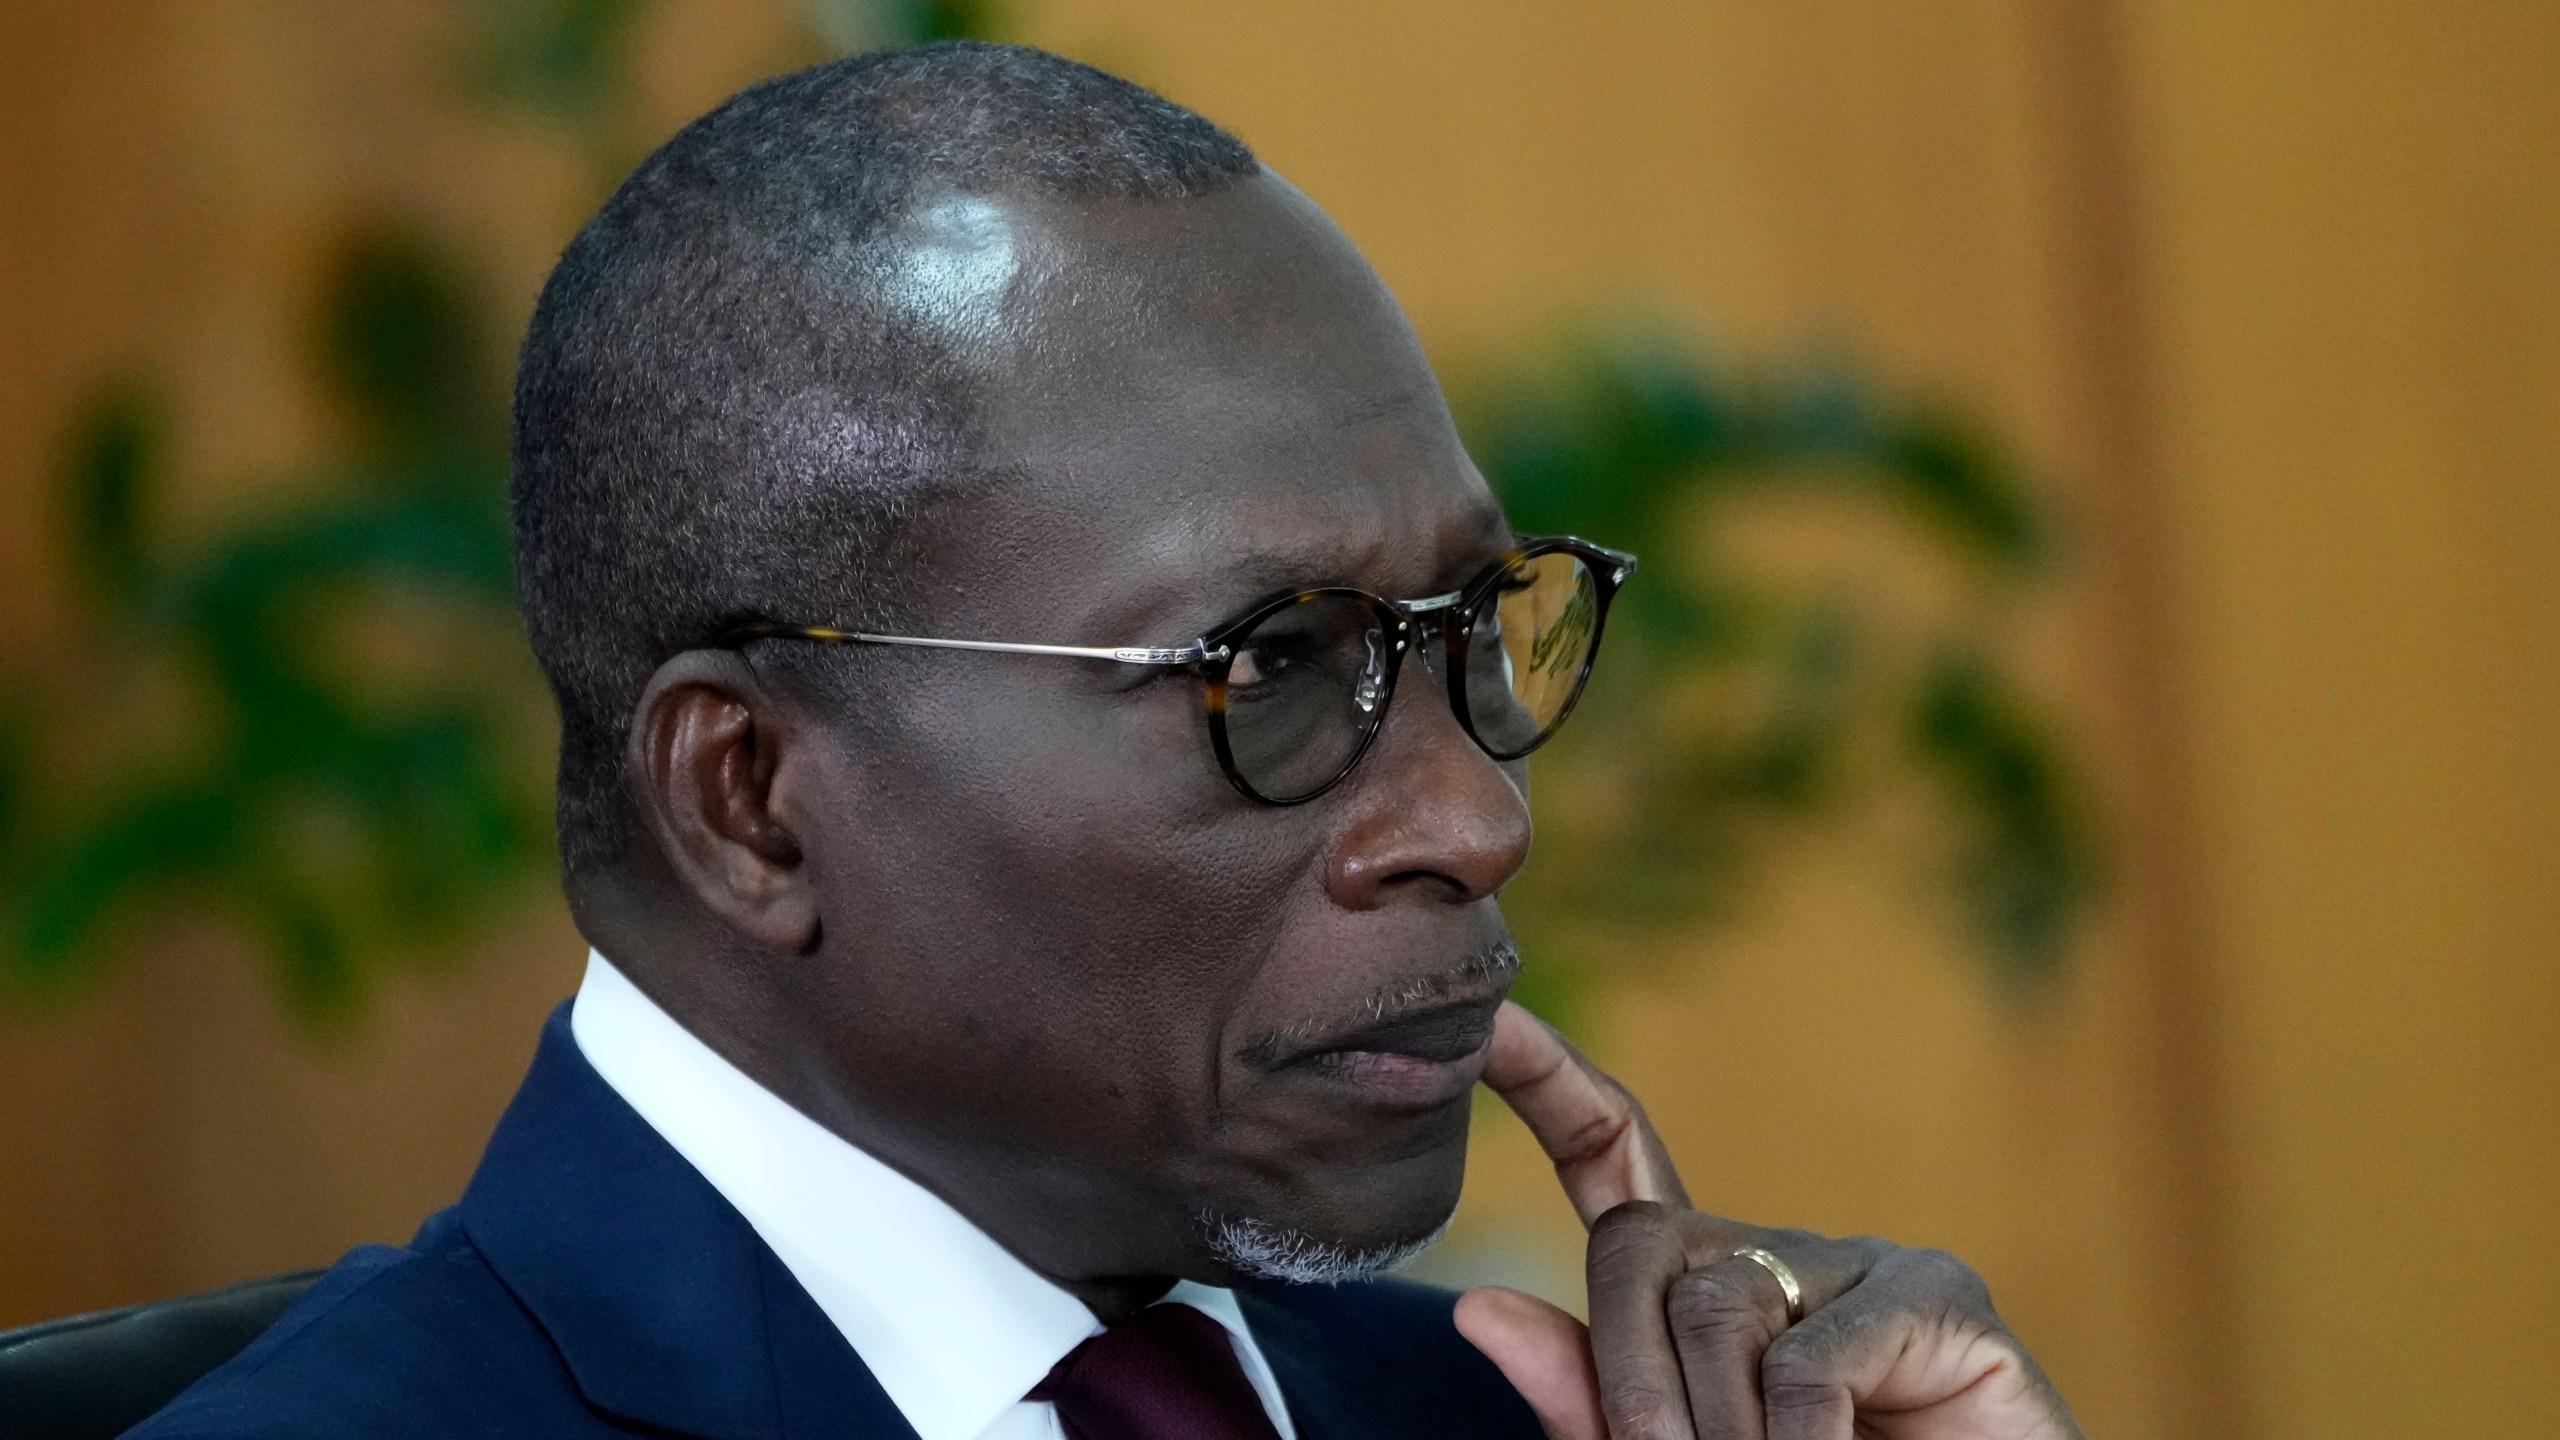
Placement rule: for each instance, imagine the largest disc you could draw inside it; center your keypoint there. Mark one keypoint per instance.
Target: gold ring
(1785, 1277)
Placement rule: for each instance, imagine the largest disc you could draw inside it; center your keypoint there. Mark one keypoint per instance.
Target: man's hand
(1690, 1340)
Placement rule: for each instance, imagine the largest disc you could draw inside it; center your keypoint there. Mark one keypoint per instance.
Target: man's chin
(1259, 1249)
(1322, 1216)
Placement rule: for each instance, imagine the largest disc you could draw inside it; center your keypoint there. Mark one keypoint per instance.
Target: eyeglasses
(1298, 684)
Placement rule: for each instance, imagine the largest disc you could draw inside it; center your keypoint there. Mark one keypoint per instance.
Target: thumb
(1544, 1353)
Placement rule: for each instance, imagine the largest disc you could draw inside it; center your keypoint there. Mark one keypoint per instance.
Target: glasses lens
(1530, 650)
(1306, 688)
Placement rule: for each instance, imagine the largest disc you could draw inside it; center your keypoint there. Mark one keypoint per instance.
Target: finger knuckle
(1632, 1233)
(1646, 1217)
(1787, 1398)
(1871, 1250)
(1950, 1277)
(1807, 1357)
(1717, 1303)
(1641, 1410)
(1937, 1289)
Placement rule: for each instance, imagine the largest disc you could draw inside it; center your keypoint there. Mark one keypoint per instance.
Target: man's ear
(711, 750)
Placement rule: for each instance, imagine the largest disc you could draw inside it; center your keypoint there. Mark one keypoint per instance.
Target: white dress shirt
(955, 1328)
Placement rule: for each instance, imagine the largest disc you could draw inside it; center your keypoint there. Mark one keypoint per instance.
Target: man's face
(1074, 979)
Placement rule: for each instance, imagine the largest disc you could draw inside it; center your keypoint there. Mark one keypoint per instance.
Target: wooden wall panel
(2268, 290)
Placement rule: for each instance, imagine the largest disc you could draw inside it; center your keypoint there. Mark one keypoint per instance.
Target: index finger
(1603, 1147)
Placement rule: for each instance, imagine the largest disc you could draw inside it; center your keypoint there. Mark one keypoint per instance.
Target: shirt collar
(956, 1328)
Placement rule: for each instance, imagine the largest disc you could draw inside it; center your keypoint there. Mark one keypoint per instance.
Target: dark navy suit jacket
(591, 1283)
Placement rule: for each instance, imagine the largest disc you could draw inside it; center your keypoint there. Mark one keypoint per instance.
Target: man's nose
(1429, 814)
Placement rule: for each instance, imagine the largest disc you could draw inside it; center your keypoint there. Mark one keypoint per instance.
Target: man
(1044, 701)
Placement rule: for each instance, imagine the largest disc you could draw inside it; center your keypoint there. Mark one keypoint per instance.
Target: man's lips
(1422, 1059)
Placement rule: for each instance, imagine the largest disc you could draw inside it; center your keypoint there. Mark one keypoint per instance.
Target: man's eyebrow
(1196, 604)
(1242, 577)
(1265, 569)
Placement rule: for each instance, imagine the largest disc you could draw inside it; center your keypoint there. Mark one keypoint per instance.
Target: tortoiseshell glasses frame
(1517, 643)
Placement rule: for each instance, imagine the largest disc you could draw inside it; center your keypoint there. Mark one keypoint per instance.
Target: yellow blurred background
(2267, 293)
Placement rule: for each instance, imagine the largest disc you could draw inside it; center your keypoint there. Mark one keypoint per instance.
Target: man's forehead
(1227, 237)
(1124, 576)
(1395, 536)
(1111, 360)
(1100, 281)
(1210, 396)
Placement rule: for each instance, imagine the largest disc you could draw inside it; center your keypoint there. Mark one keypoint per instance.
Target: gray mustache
(1491, 968)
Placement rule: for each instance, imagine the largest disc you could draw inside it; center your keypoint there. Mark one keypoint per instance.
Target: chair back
(92, 1377)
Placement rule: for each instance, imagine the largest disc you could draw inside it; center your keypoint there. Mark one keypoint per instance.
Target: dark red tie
(1165, 1373)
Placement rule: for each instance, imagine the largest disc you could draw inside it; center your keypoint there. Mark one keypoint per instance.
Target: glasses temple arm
(1122, 654)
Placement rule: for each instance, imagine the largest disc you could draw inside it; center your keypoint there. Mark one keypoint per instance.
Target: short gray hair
(721, 411)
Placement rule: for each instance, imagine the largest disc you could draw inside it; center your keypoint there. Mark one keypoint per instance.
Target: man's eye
(1264, 661)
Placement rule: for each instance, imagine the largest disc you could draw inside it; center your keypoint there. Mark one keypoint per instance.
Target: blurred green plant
(1729, 705)
(331, 807)
(318, 721)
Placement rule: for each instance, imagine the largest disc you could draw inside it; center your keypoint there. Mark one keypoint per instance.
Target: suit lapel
(664, 1303)
(1379, 1359)
(822, 1389)
(1335, 1387)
